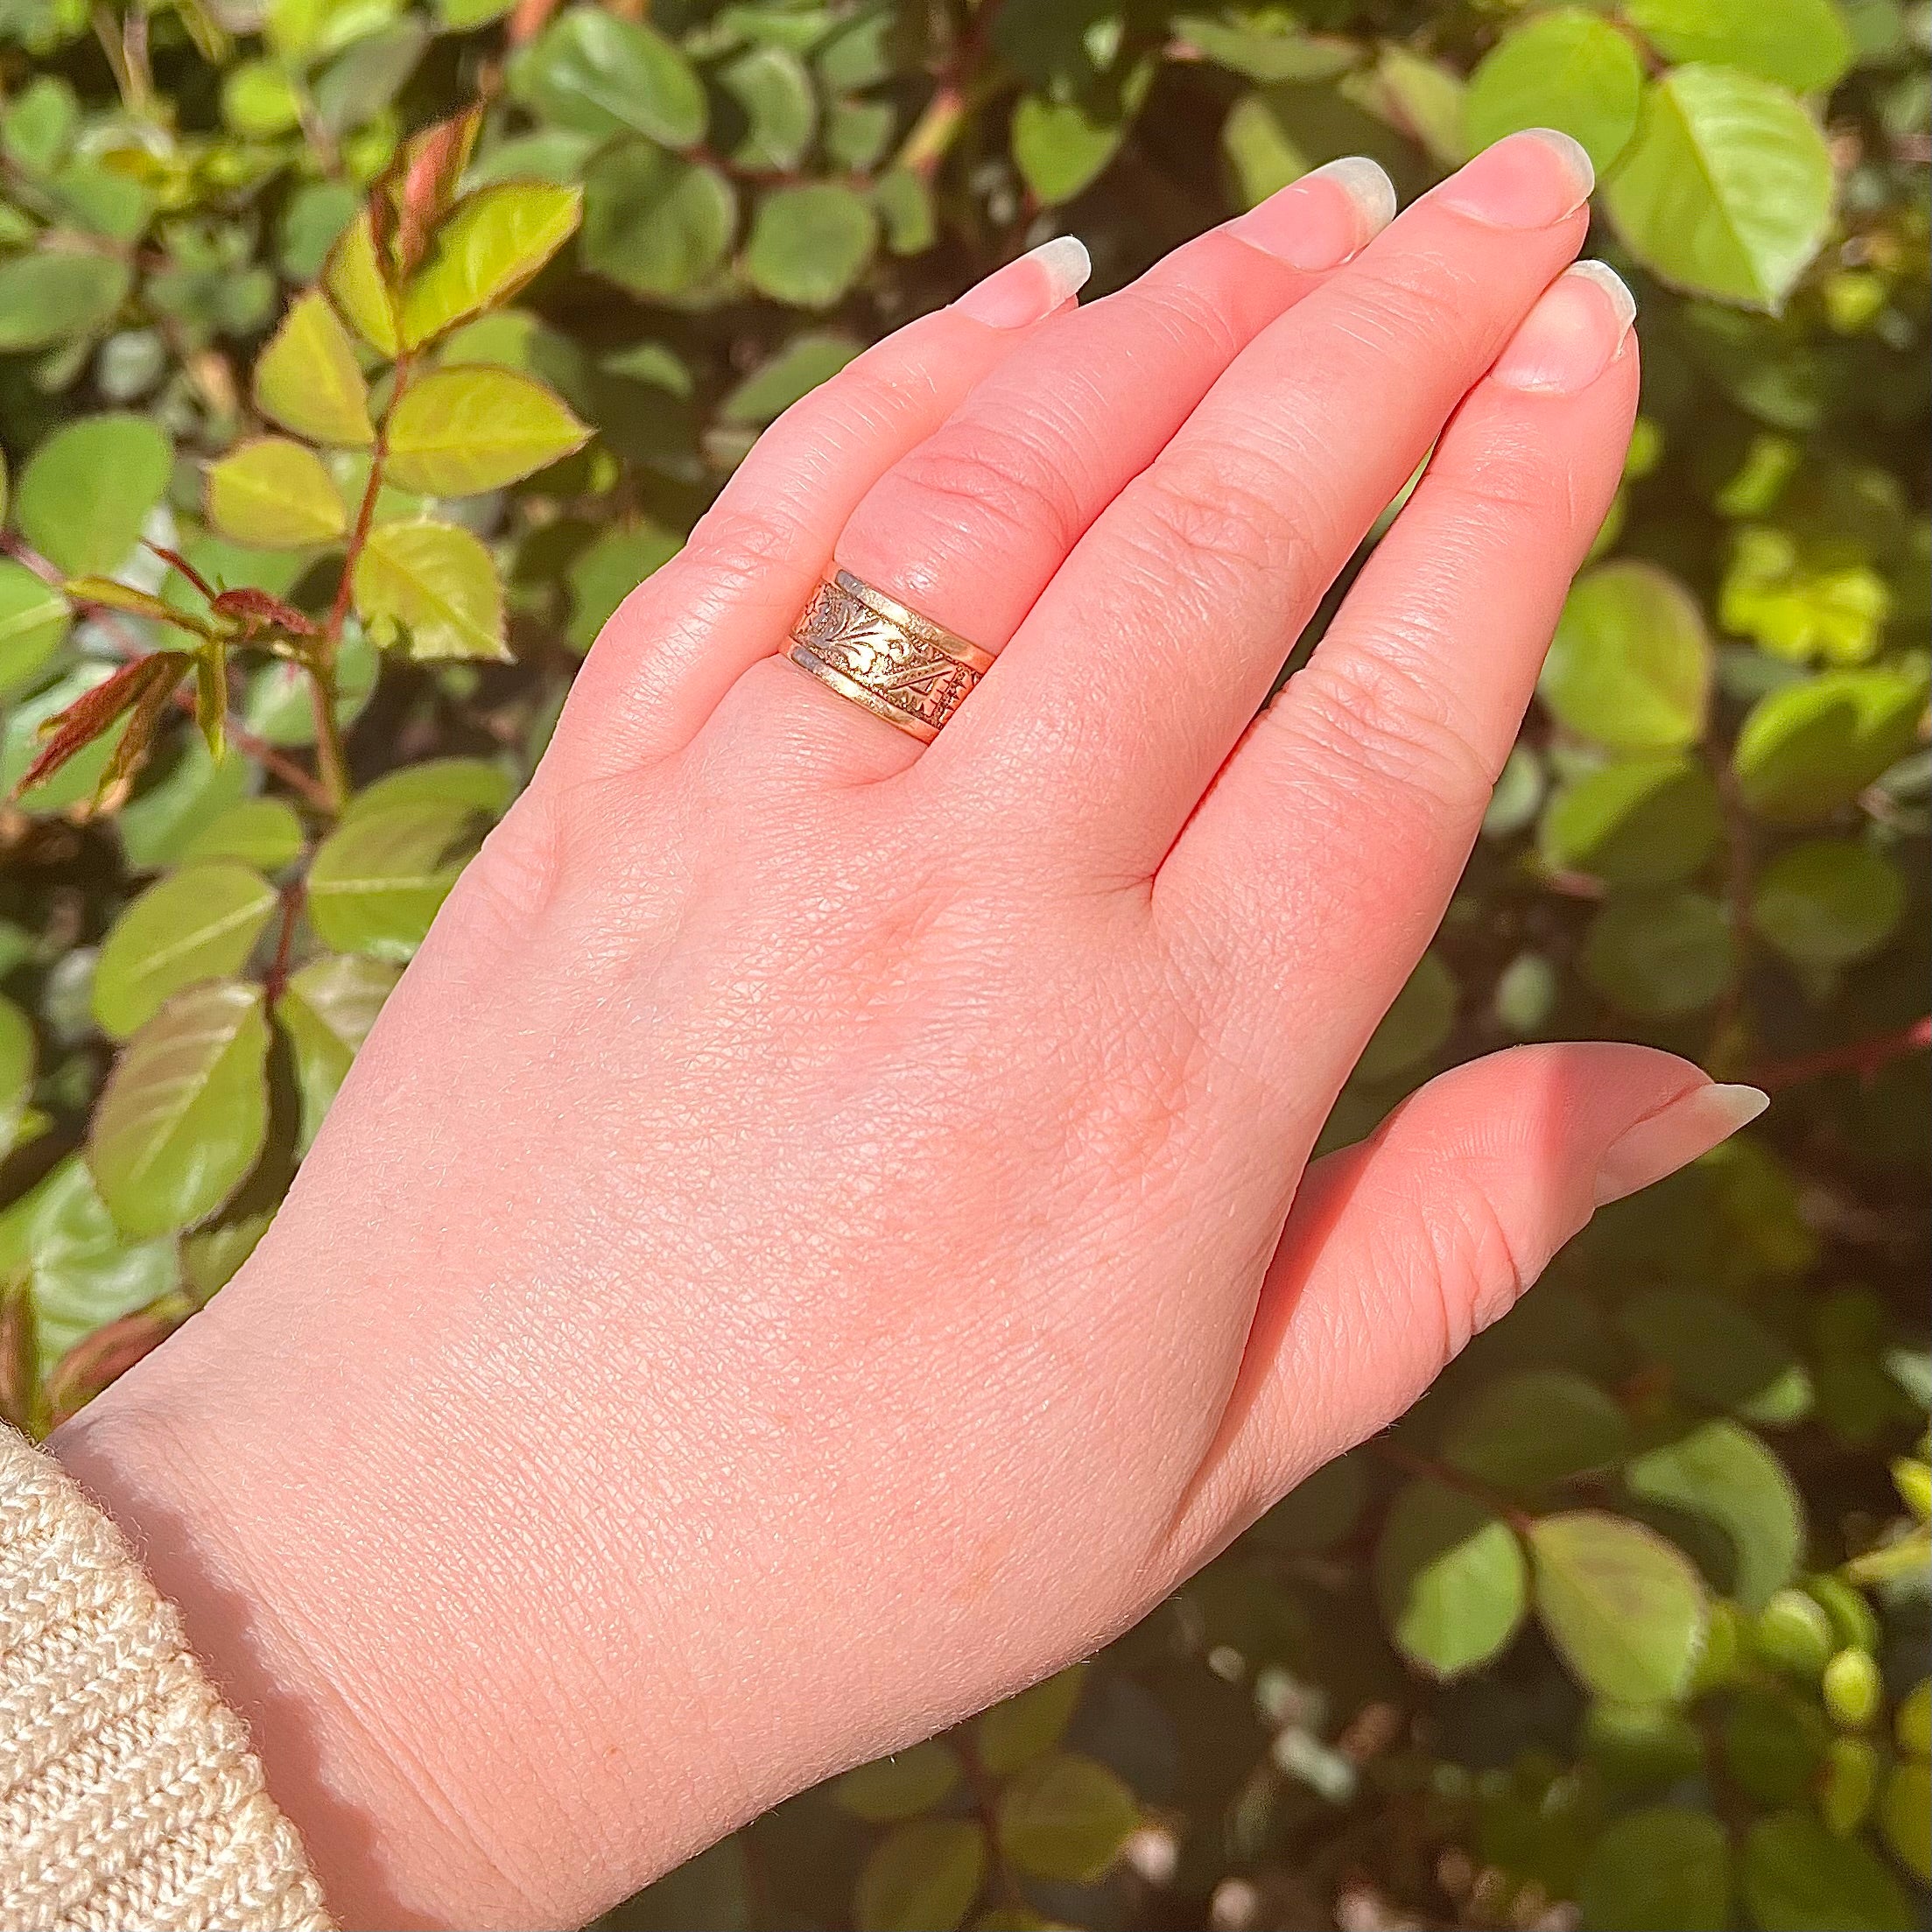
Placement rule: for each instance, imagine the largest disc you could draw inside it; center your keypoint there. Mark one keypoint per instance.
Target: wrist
(403, 1699)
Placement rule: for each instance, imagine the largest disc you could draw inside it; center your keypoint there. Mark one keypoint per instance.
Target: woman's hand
(819, 1238)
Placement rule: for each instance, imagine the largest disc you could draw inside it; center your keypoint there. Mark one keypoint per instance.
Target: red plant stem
(1864, 1057)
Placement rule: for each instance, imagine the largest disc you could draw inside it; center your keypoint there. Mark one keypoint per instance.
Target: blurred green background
(1625, 1626)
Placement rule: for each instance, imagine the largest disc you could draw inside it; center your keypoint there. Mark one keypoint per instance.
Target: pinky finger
(684, 636)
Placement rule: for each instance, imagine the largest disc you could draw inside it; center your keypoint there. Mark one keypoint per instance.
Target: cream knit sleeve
(130, 1801)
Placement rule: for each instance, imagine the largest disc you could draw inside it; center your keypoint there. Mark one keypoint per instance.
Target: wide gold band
(870, 648)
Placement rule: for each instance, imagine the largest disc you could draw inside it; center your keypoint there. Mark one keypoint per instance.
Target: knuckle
(1370, 714)
(1511, 478)
(1202, 512)
(1000, 481)
(739, 542)
(1410, 297)
(1479, 1269)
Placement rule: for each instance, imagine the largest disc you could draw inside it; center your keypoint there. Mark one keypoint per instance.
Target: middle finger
(1138, 668)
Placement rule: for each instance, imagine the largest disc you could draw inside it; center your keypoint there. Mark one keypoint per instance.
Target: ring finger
(969, 527)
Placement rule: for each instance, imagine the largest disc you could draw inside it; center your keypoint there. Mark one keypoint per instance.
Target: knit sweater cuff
(129, 1796)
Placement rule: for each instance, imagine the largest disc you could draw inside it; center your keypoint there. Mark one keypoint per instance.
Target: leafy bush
(334, 448)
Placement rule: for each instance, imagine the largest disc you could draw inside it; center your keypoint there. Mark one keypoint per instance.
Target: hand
(819, 1239)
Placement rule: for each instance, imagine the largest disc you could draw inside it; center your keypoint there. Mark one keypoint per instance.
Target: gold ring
(869, 647)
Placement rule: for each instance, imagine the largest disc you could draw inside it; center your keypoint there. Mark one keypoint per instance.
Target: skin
(818, 1239)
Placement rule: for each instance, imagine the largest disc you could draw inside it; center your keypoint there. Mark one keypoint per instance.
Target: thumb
(1401, 1248)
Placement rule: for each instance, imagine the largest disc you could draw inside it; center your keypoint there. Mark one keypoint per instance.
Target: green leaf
(1415, 1025)
(1801, 605)
(1450, 1580)
(1720, 1355)
(806, 360)
(327, 1009)
(479, 784)
(1567, 69)
(461, 431)
(56, 294)
(185, 1113)
(380, 878)
(86, 491)
(1797, 1876)
(899, 1786)
(1061, 147)
(1631, 663)
(263, 832)
(1828, 902)
(772, 91)
(1065, 1816)
(83, 1270)
(1024, 1727)
(1725, 1476)
(1905, 1817)
(921, 1877)
(1663, 1869)
(34, 617)
(486, 249)
(200, 922)
(654, 224)
(1726, 189)
(607, 572)
(276, 494)
(1801, 45)
(1660, 955)
(601, 75)
(1624, 1607)
(361, 83)
(432, 589)
(808, 245)
(1807, 750)
(259, 100)
(354, 277)
(190, 789)
(1534, 1428)
(307, 378)
(19, 1055)
(1277, 53)
(1649, 821)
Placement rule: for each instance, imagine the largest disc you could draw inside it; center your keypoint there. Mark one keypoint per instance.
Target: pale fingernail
(1692, 1124)
(1318, 222)
(1575, 331)
(1526, 180)
(1031, 288)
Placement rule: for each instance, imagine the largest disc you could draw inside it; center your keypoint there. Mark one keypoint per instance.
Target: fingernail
(1031, 288)
(1575, 331)
(1526, 180)
(1692, 1124)
(1317, 223)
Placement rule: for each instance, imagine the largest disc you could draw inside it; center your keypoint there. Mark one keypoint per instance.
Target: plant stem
(1863, 1057)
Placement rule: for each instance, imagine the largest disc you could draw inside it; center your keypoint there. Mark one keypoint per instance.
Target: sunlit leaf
(459, 430)
(184, 1115)
(1726, 188)
(275, 494)
(431, 590)
(87, 491)
(1065, 1816)
(808, 245)
(326, 1010)
(200, 922)
(307, 378)
(491, 244)
(1450, 1578)
(377, 881)
(1569, 69)
(1624, 1607)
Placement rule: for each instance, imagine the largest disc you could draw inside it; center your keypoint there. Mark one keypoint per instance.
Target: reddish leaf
(95, 711)
(91, 1364)
(135, 741)
(435, 163)
(254, 608)
(177, 561)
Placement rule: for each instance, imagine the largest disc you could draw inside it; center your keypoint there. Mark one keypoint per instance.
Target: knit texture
(130, 1801)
